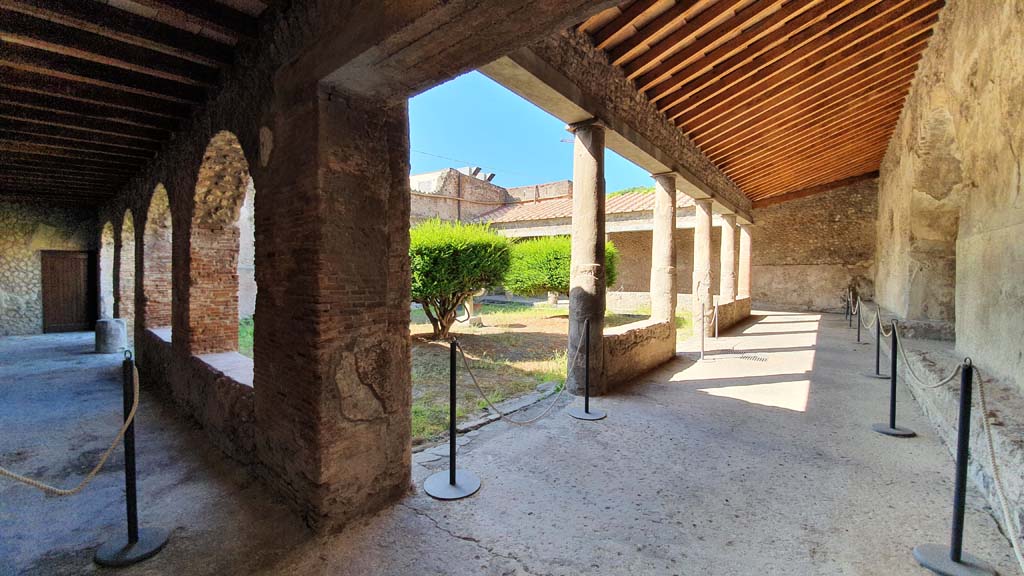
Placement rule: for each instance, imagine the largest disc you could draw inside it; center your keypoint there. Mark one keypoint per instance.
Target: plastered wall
(951, 196)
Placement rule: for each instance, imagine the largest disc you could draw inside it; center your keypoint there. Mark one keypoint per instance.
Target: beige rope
(910, 367)
(99, 465)
(505, 416)
(1011, 529)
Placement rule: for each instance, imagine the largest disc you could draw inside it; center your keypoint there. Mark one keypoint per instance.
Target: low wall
(932, 361)
(154, 359)
(732, 313)
(635, 349)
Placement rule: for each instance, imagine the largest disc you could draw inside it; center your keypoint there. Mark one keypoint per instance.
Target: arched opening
(107, 271)
(156, 260)
(126, 274)
(219, 226)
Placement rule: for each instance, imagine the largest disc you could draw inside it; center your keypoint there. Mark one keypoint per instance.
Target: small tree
(450, 261)
(542, 265)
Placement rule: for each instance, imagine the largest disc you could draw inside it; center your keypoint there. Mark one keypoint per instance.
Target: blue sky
(473, 121)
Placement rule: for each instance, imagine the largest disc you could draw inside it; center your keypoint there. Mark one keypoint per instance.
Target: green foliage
(246, 327)
(542, 264)
(450, 261)
(632, 190)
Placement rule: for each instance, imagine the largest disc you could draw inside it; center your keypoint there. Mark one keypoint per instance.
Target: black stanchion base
(437, 486)
(118, 553)
(879, 376)
(895, 432)
(594, 414)
(935, 557)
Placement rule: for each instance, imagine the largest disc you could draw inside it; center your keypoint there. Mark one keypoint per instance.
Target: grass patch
(245, 331)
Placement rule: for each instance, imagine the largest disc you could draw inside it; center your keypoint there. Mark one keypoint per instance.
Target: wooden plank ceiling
(782, 95)
(91, 89)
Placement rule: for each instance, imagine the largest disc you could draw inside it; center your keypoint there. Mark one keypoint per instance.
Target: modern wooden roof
(782, 95)
(90, 90)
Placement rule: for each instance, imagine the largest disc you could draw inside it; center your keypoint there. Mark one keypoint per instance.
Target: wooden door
(68, 291)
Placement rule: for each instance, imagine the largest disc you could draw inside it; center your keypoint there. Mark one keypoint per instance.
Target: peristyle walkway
(758, 460)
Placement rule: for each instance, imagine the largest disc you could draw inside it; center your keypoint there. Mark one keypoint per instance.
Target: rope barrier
(53, 490)
(1011, 529)
(503, 415)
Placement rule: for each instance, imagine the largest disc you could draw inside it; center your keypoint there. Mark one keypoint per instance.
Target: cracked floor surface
(758, 460)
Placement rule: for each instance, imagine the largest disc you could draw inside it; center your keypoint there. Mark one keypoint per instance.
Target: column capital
(729, 219)
(703, 202)
(746, 226)
(583, 124)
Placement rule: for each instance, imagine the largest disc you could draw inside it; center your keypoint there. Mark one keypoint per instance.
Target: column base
(118, 552)
(594, 414)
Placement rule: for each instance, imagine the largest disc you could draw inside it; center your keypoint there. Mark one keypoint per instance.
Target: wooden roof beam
(69, 143)
(56, 118)
(103, 19)
(847, 120)
(54, 37)
(225, 19)
(23, 146)
(75, 133)
(696, 28)
(798, 176)
(71, 87)
(57, 65)
(680, 12)
(809, 70)
(626, 18)
(694, 77)
(777, 118)
(84, 109)
(814, 39)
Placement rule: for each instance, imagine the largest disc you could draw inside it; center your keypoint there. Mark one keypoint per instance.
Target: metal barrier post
(137, 544)
(878, 347)
(952, 560)
(891, 429)
(453, 484)
(587, 413)
(861, 305)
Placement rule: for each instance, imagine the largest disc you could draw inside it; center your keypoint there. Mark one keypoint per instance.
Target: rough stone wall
(635, 349)
(951, 199)
(26, 229)
(454, 196)
(538, 191)
(806, 252)
(634, 274)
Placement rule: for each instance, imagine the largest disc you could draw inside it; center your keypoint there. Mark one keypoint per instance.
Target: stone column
(702, 264)
(332, 359)
(743, 285)
(587, 276)
(727, 257)
(663, 249)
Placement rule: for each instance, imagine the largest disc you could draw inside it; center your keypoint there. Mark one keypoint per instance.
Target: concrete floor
(758, 460)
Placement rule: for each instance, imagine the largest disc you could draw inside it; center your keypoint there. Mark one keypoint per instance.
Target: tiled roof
(550, 208)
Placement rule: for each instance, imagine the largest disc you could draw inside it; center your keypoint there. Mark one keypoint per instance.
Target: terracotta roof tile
(550, 208)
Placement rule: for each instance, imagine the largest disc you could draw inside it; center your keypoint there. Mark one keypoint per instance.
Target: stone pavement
(758, 460)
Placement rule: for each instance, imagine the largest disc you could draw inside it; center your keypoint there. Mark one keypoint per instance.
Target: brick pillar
(587, 277)
(743, 284)
(702, 263)
(727, 257)
(663, 249)
(332, 353)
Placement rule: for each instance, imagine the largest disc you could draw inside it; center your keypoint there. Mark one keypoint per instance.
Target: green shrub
(450, 261)
(542, 265)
